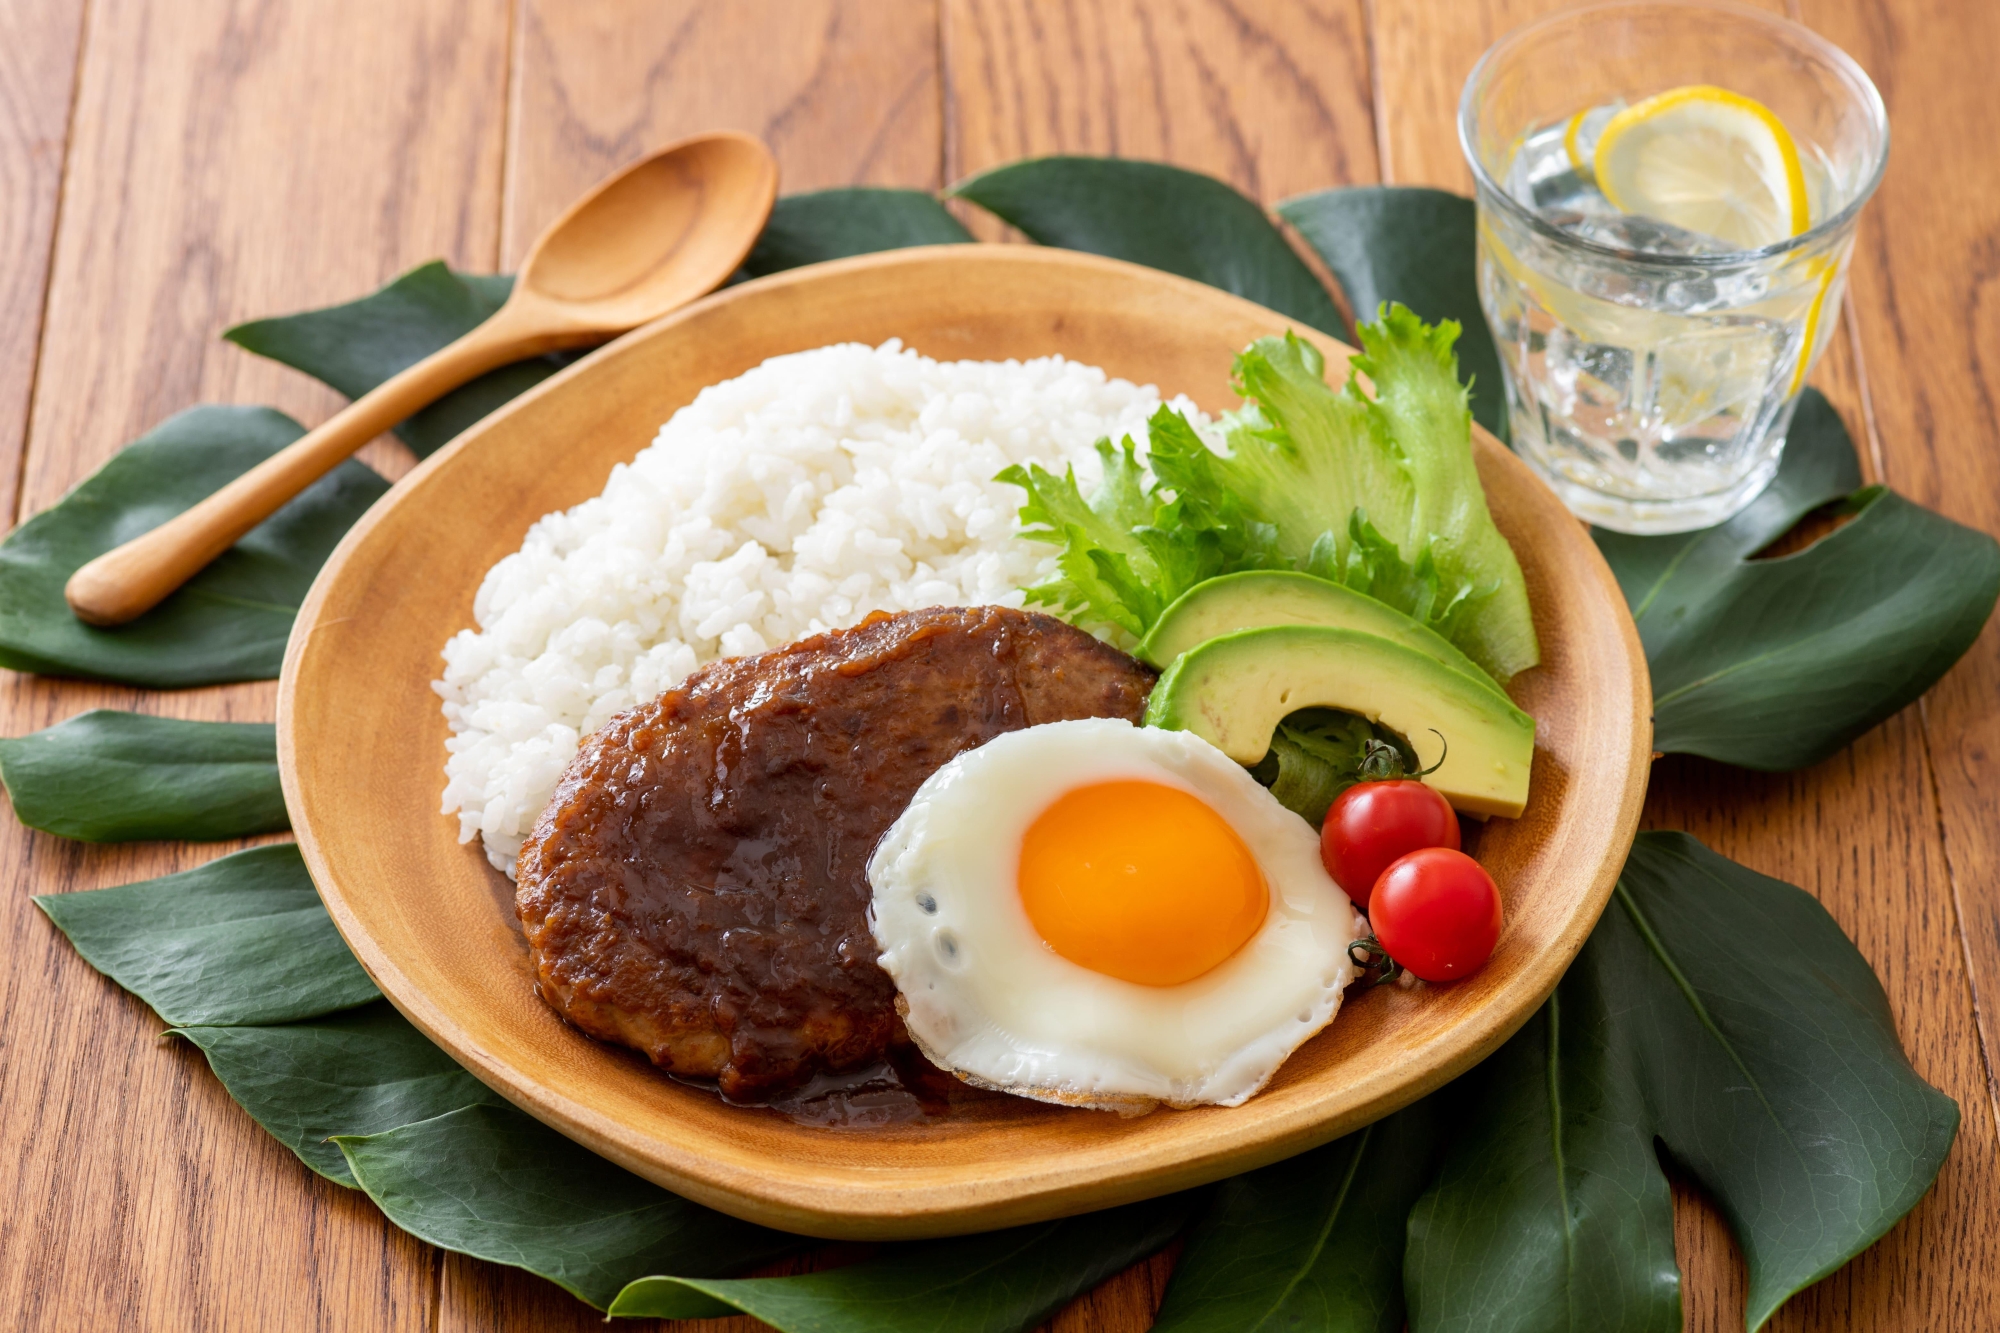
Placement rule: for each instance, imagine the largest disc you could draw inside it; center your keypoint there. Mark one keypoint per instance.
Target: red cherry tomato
(1437, 913)
(1373, 823)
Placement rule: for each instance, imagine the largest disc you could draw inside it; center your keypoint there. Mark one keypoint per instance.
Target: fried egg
(1097, 914)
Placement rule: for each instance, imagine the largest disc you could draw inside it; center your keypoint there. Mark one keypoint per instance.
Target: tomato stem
(1383, 762)
(1371, 957)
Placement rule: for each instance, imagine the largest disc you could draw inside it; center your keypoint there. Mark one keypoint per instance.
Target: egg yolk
(1140, 881)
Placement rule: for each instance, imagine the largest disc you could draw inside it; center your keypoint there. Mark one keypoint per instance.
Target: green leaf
(1107, 571)
(833, 224)
(1376, 490)
(104, 776)
(1723, 1013)
(1422, 407)
(243, 939)
(1329, 471)
(1375, 567)
(1776, 664)
(1318, 753)
(231, 620)
(494, 1183)
(1311, 1243)
(360, 1072)
(999, 1282)
(1551, 1213)
(1415, 245)
(1160, 216)
(1776, 1074)
(356, 346)
(1302, 458)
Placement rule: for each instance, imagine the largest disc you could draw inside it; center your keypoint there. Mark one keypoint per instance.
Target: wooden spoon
(660, 233)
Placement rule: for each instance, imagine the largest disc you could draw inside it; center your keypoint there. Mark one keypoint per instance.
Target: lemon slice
(1707, 160)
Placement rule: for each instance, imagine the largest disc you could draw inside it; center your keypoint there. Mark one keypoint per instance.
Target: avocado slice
(1233, 691)
(1265, 597)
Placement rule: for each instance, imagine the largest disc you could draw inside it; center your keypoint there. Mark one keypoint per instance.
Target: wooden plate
(361, 743)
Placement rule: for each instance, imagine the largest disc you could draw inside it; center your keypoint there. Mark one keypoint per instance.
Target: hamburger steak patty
(698, 886)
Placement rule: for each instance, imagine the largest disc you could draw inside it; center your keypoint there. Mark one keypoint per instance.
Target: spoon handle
(125, 583)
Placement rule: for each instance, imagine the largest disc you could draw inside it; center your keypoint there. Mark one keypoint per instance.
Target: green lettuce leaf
(1318, 753)
(105, 776)
(1371, 564)
(1300, 456)
(1129, 550)
(1423, 408)
(1378, 491)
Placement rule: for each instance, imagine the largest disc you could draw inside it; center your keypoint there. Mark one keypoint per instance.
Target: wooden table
(169, 168)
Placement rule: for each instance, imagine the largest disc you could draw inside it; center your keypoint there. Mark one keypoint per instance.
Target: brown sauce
(697, 888)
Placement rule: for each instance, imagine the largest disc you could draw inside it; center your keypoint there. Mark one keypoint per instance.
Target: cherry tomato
(1437, 912)
(1373, 823)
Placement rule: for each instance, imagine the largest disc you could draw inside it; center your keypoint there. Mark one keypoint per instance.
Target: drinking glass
(1651, 372)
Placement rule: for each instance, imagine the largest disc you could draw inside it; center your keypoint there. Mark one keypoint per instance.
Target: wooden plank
(225, 161)
(845, 92)
(1271, 98)
(37, 78)
(1922, 288)
(1859, 831)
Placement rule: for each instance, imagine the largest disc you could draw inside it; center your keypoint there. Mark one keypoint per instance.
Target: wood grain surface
(167, 168)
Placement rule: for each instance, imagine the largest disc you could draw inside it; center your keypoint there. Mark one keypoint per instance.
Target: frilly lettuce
(1377, 492)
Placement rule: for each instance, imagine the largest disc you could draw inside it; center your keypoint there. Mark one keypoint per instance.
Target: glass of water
(1654, 347)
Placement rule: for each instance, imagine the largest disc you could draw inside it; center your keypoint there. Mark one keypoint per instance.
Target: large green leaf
(998, 1282)
(243, 939)
(359, 1072)
(230, 621)
(1312, 1243)
(493, 1182)
(1723, 1013)
(1406, 243)
(1776, 664)
(834, 224)
(104, 776)
(1552, 1214)
(1160, 216)
(356, 346)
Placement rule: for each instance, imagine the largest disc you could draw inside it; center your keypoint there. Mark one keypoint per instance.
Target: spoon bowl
(644, 242)
(662, 232)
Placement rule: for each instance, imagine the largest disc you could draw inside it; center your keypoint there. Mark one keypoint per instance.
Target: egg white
(985, 997)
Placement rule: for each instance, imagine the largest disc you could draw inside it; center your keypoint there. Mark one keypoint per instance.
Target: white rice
(795, 498)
